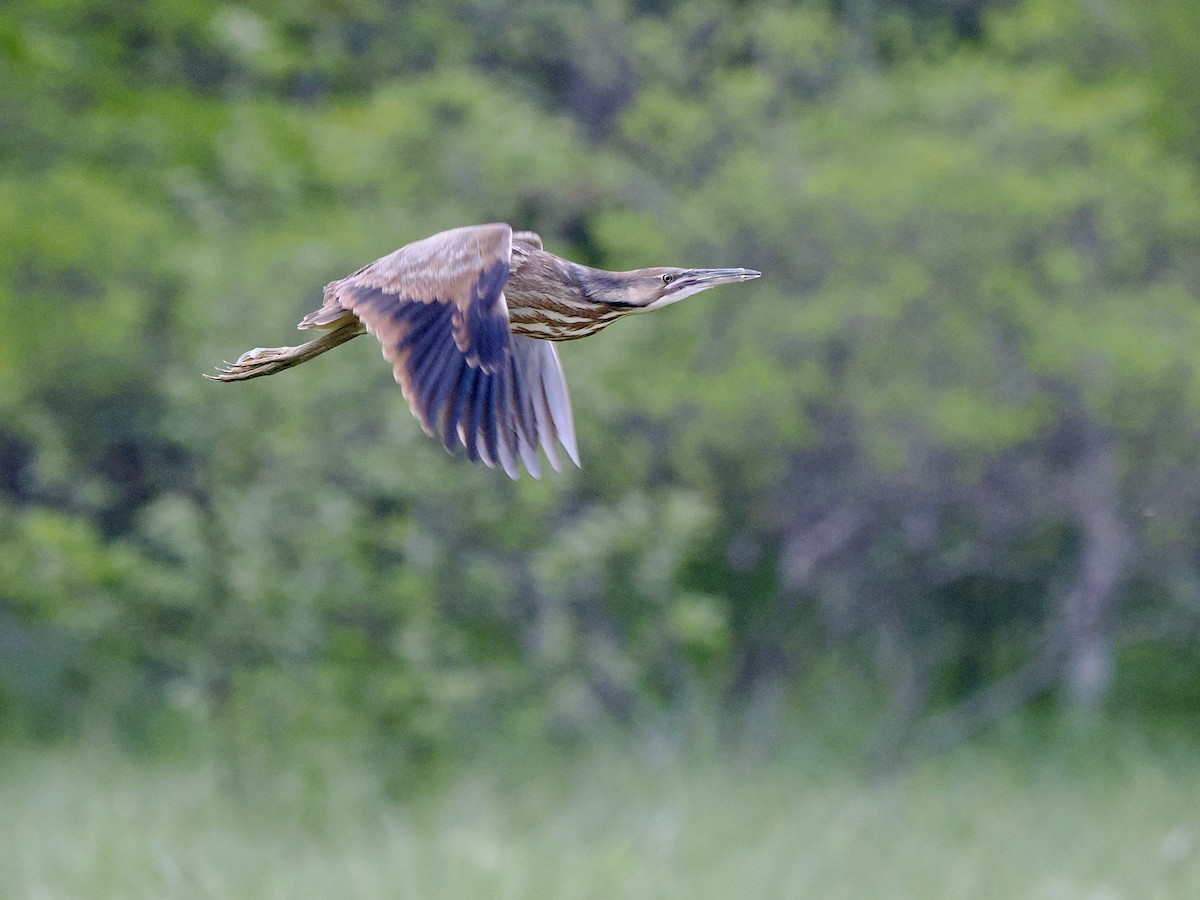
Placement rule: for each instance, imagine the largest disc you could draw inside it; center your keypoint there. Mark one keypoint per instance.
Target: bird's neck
(604, 288)
(537, 275)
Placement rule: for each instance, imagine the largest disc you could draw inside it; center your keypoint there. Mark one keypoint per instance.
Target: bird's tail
(331, 314)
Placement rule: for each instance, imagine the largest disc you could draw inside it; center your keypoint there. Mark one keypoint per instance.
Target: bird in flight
(467, 318)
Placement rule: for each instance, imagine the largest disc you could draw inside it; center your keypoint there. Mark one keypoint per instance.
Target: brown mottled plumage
(466, 318)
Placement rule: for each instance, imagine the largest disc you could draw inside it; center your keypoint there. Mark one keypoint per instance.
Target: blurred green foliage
(951, 436)
(655, 819)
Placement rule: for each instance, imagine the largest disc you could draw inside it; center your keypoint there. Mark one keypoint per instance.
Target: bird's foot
(255, 363)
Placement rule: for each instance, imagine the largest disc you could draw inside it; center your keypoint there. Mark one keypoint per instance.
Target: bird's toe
(258, 354)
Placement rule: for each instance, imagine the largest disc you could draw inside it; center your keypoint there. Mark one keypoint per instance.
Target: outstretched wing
(437, 306)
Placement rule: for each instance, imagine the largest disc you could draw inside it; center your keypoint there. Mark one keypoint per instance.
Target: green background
(920, 504)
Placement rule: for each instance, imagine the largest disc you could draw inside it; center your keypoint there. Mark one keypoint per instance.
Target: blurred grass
(1105, 813)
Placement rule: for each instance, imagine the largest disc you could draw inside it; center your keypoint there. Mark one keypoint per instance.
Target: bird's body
(466, 317)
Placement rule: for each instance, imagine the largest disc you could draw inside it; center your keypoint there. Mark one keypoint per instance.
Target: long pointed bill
(693, 281)
(712, 277)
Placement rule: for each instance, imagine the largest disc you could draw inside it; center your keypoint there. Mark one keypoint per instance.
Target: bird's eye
(668, 278)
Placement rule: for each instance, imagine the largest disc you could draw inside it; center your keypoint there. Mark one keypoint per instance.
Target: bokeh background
(881, 576)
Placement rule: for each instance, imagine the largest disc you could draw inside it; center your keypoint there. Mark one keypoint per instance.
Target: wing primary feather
(505, 420)
(458, 403)
(540, 356)
(479, 415)
(545, 420)
(525, 421)
(408, 313)
(421, 362)
(427, 327)
(509, 426)
(470, 429)
(419, 366)
(440, 375)
(491, 413)
(537, 367)
(508, 462)
(560, 404)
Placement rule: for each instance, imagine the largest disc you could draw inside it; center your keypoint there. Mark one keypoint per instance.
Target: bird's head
(646, 289)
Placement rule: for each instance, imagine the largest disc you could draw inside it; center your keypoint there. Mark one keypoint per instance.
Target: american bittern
(466, 319)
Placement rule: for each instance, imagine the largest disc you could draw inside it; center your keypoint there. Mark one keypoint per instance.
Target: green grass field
(1113, 816)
